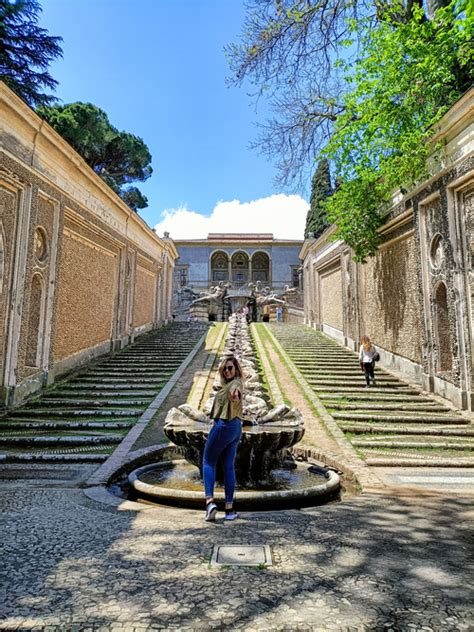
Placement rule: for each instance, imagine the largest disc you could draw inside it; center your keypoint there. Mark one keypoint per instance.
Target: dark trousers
(369, 371)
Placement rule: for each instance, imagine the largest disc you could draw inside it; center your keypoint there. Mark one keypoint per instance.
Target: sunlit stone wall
(390, 300)
(80, 273)
(415, 297)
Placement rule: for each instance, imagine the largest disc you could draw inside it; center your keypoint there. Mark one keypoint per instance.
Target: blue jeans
(221, 445)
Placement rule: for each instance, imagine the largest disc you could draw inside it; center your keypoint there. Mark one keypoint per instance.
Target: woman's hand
(235, 395)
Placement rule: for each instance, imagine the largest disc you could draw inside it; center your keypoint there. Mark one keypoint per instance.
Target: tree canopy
(408, 76)
(26, 50)
(360, 83)
(119, 158)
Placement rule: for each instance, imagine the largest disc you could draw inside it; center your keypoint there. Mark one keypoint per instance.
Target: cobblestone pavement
(372, 562)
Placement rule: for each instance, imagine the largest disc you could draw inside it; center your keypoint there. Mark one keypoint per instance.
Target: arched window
(261, 267)
(219, 267)
(443, 330)
(240, 269)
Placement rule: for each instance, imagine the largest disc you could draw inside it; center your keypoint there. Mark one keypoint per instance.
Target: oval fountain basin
(179, 483)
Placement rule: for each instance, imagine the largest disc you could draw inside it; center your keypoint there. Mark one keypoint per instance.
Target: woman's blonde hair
(238, 369)
(366, 343)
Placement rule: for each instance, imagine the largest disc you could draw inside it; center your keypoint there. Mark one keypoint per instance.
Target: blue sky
(158, 69)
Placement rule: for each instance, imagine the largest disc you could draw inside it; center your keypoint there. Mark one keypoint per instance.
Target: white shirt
(367, 356)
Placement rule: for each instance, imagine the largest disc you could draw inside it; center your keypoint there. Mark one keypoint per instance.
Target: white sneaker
(211, 510)
(231, 516)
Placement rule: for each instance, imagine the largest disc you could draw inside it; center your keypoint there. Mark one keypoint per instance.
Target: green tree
(26, 50)
(316, 219)
(408, 76)
(290, 53)
(360, 83)
(119, 158)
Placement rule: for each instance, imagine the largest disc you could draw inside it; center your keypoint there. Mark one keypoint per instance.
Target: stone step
(77, 402)
(348, 390)
(404, 444)
(140, 364)
(93, 393)
(51, 441)
(426, 418)
(57, 457)
(422, 461)
(18, 425)
(354, 382)
(428, 406)
(99, 382)
(370, 396)
(338, 362)
(129, 369)
(48, 412)
(337, 373)
(433, 430)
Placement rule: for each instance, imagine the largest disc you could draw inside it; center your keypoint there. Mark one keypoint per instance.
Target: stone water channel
(267, 475)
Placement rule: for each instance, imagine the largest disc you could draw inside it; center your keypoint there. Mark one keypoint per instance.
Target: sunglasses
(229, 368)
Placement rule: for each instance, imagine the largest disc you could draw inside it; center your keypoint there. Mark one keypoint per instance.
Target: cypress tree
(316, 221)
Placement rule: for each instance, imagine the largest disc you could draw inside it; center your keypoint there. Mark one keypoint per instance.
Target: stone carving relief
(437, 255)
(41, 245)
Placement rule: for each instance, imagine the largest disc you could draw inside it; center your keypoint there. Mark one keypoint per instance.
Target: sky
(158, 69)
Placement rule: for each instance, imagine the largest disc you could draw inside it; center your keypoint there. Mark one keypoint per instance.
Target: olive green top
(223, 407)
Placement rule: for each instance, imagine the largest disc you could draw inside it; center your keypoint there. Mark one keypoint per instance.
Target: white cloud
(282, 215)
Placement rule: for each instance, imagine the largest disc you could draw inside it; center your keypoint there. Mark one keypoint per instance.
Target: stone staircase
(83, 418)
(389, 424)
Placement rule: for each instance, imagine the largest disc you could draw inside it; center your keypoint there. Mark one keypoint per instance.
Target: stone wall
(330, 297)
(79, 271)
(389, 299)
(415, 297)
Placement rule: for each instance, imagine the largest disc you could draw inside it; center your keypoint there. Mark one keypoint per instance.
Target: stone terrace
(392, 423)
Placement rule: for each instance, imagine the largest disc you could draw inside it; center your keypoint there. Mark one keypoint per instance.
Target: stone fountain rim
(322, 489)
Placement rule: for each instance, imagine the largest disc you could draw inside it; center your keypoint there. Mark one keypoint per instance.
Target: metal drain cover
(238, 555)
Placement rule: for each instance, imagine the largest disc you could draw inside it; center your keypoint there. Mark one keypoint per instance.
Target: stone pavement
(371, 562)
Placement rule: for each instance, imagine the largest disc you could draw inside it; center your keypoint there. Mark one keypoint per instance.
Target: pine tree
(26, 50)
(316, 221)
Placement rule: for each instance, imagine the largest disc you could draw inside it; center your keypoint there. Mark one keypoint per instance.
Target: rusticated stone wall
(389, 299)
(78, 269)
(331, 299)
(86, 293)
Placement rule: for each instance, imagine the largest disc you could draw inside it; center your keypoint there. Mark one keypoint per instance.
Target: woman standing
(367, 356)
(223, 438)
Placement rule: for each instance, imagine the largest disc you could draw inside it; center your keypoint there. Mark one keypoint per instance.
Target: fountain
(266, 472)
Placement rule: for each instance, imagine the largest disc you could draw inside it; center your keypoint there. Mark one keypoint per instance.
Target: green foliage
(119, 158)
(408, 76)
(26, 50)
(316, 220)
